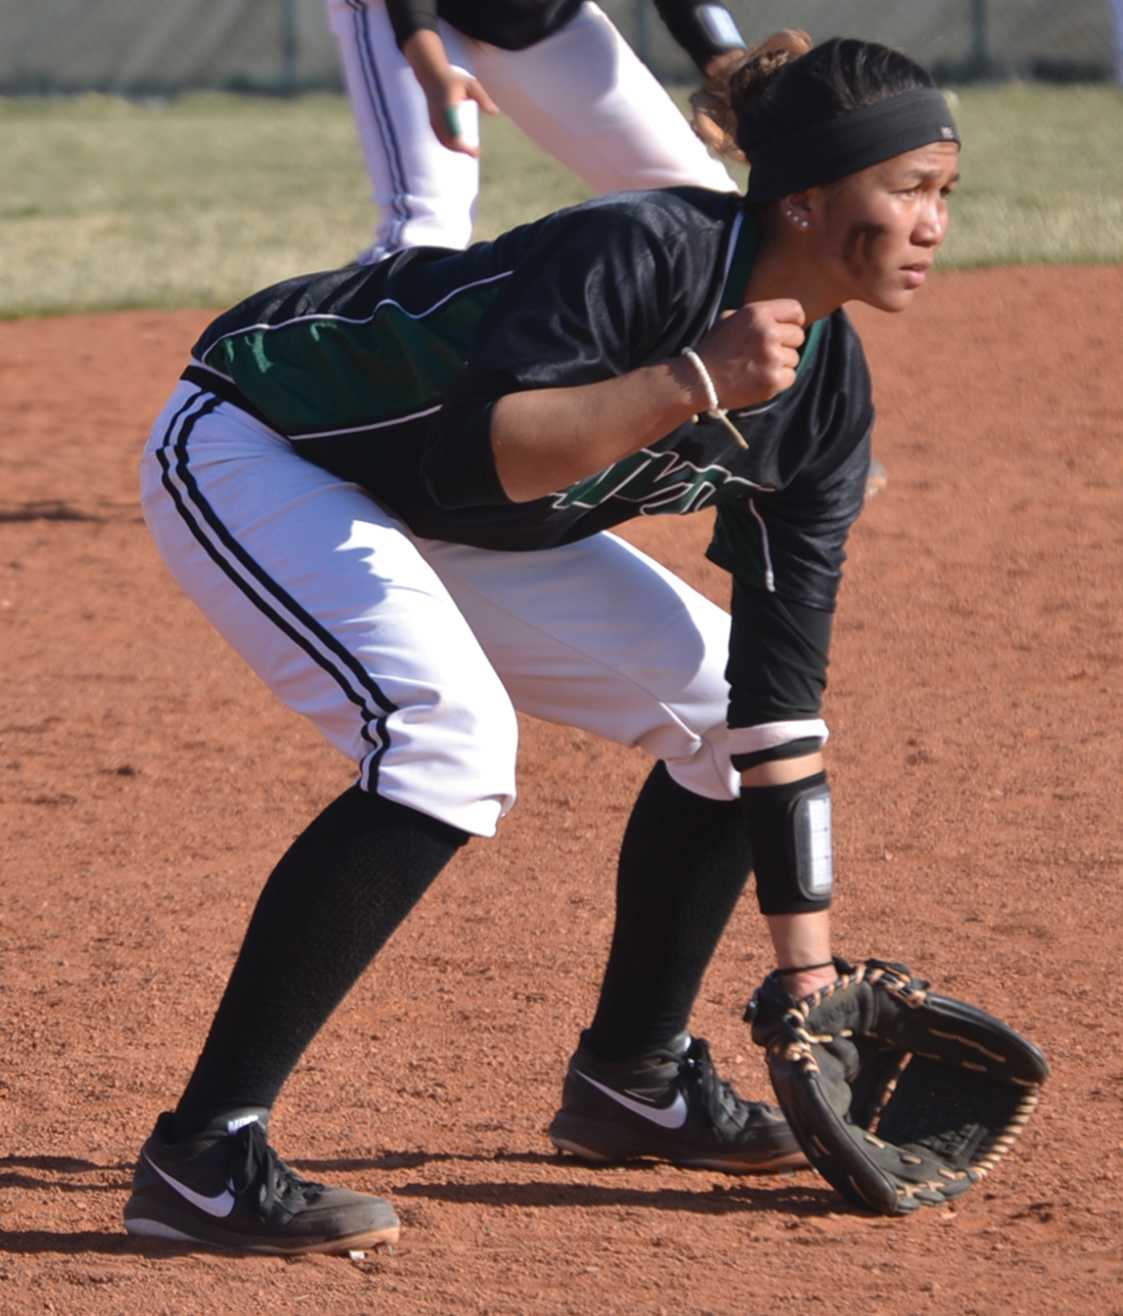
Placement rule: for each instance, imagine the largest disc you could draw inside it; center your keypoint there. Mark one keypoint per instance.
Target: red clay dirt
(147, 782)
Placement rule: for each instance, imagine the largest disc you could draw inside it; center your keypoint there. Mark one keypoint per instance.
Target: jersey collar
(744, 243)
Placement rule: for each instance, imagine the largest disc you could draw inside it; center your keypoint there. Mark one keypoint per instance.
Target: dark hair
(787, 85)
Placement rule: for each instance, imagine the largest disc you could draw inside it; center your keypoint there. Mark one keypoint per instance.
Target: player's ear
(798, 211)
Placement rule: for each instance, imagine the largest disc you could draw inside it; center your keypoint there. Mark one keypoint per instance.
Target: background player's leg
(425, 194)
(588, 100)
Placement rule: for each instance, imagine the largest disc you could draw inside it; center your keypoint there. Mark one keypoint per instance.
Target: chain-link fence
(138, 47)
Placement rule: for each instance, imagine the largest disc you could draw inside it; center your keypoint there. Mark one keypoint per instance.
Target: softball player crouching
(391, 488)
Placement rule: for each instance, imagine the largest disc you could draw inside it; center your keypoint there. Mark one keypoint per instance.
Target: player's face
(881, 228)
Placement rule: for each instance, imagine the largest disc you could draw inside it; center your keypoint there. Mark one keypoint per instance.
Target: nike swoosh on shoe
(220, 1205)
(667, 1117)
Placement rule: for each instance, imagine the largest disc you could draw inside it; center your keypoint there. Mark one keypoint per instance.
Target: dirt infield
(148, 782)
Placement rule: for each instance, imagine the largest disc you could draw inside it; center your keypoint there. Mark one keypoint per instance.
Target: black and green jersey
(387, 374)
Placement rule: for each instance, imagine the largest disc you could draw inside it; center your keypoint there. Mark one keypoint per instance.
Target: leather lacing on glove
(900, 1096)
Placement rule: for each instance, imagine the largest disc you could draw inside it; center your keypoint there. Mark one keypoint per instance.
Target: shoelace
(728, 1113)
(254, 1165)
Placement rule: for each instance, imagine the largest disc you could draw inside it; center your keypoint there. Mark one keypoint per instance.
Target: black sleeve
(784, 597)
(601, 291)
(778, 656)
(410, 16)
(786, 552)
(702, 30)
(793, 543)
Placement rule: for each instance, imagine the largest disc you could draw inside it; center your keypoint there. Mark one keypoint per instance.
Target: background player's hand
(752, 353)
(446, 89)
(445, 97)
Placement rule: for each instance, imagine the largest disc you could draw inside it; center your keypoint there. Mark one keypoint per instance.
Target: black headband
(851, 141)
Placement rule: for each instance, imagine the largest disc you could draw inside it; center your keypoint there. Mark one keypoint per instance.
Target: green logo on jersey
(658, 482)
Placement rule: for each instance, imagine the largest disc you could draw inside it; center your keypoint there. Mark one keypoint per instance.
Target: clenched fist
(752, 353)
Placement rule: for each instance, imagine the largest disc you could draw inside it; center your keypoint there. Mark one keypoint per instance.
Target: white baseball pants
(583, 95)
(412, 655)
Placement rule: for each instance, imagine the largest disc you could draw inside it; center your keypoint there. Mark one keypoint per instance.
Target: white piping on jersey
(203, 365)
(364, 319)
(328, 434)
(734, 233)
(769, 577)
(755, 411)
(376, 425)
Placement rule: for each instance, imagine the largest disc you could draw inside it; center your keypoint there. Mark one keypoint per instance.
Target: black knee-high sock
(330, 904)
(684, 862)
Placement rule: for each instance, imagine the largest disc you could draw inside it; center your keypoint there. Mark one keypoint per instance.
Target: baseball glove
(900, 1097)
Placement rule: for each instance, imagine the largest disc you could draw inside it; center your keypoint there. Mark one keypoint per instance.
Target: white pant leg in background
(425, 194)
(409, 655)
(589, 101)
(583, 95)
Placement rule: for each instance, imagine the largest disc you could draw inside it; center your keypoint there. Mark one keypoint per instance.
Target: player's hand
(752, 353)
(445, 97)
(446, 88)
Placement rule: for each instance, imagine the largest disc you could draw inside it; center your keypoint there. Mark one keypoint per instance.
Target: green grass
(198, 201)
(1042, 176)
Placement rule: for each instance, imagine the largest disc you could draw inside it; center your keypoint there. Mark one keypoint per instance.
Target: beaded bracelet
(714, 409)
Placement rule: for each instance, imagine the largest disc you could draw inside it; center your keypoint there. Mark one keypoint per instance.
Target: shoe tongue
(230, 1121)
(656, 1072)
(671, 1052)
